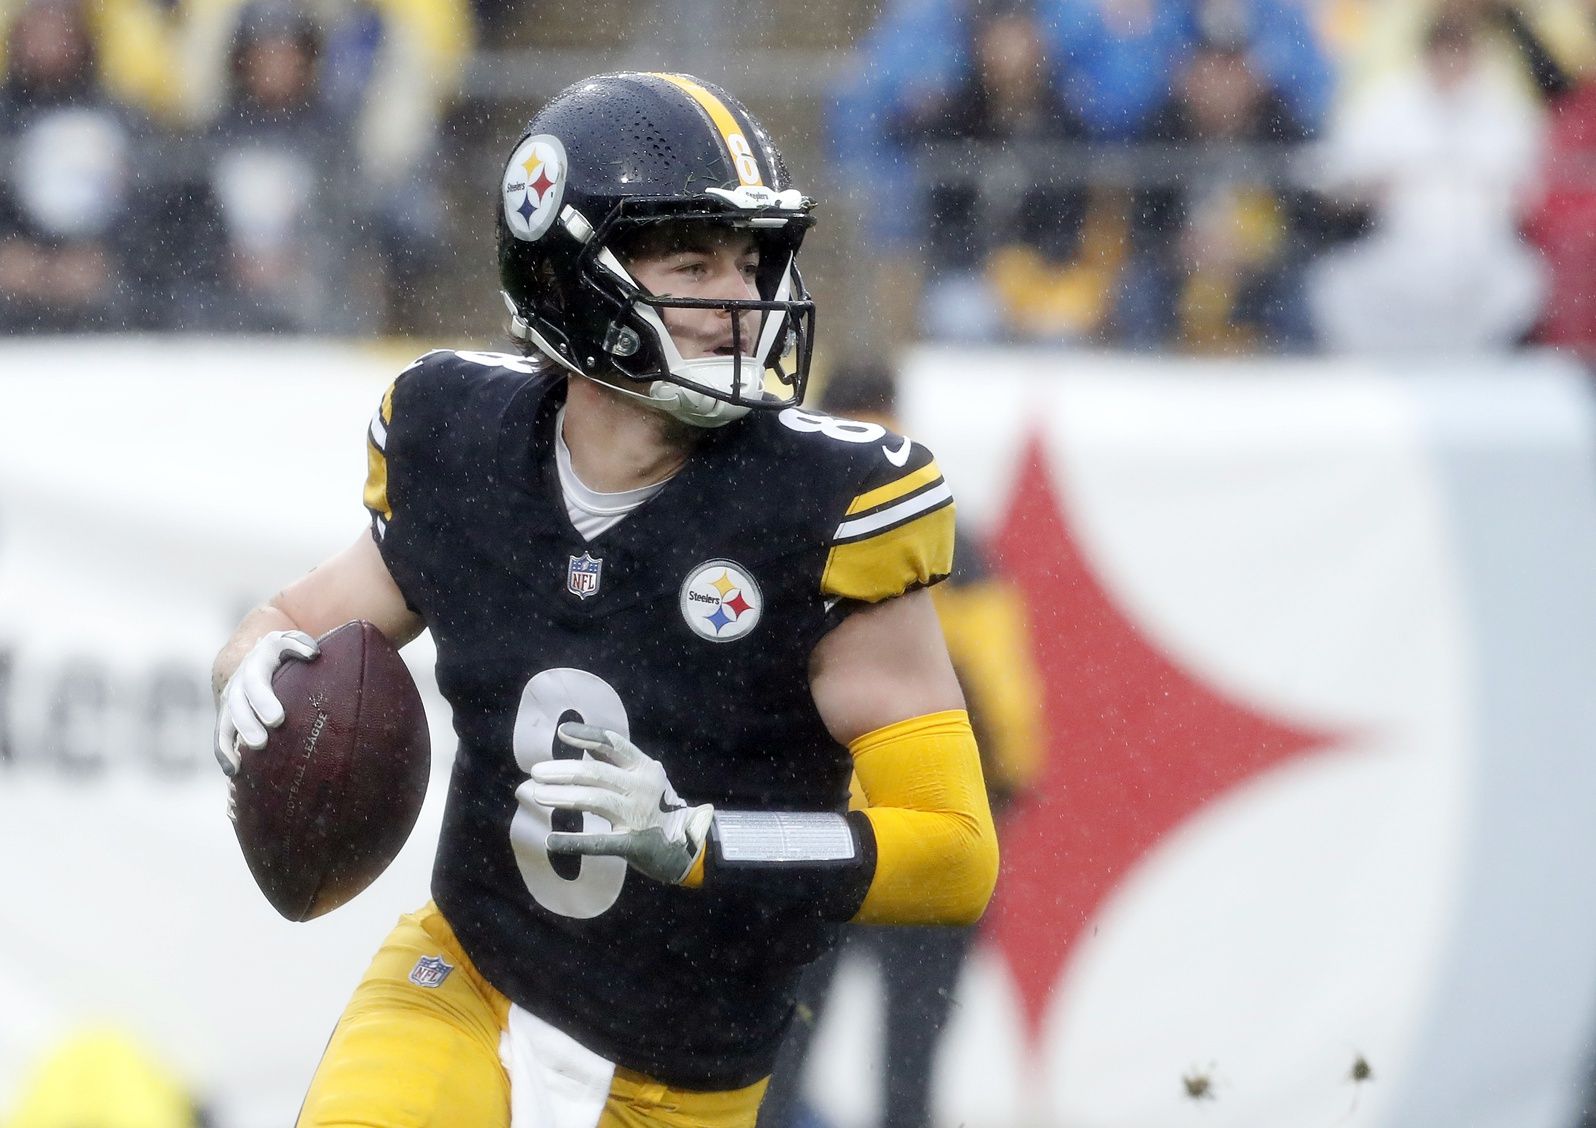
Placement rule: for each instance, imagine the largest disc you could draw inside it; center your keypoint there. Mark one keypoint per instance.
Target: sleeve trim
(901, 513)
(894, 490)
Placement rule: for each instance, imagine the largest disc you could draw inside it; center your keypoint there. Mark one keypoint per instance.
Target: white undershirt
(591, 511)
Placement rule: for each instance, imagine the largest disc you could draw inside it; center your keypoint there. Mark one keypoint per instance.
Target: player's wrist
(695, 831)
(823, 858)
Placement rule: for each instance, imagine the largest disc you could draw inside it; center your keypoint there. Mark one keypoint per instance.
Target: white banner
(150, 492)
(1317, 642)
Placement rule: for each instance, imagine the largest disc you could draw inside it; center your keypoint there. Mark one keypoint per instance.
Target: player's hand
(653, 829)
(247, 706)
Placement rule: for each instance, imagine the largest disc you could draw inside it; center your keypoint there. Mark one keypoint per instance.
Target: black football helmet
(618, 152)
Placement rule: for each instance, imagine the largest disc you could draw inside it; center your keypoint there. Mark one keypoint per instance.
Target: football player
(673, 613)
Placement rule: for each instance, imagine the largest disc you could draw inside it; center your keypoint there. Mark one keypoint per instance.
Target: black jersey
(688, 627)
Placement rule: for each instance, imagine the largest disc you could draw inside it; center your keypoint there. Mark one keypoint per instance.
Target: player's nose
(731, 284)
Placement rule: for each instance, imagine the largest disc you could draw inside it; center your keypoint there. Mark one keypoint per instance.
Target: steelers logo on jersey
(721, 601)
(534, 182)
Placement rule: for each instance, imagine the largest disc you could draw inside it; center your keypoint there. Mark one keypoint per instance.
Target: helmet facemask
(771, 335)
(769, 364)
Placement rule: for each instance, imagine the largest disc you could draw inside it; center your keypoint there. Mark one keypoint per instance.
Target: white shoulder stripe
(379, 432)
(894, 514)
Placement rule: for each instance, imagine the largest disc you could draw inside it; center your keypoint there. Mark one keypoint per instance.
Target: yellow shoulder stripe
(376, 491)
(892, 562)
(894, 490)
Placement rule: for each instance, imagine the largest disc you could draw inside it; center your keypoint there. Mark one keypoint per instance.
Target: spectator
(1006, 262)
(1116, 58)
(277, 153)
(1392, 35)
(1444, 154)
(133, 45)
(387, 70)
(1285, 46)
(1215, 265)
(1042, 264)
(65, 207)
(1562, 221)
(983, 620)
(910, 60)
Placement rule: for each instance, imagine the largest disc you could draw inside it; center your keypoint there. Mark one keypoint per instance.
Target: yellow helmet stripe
(742, 153)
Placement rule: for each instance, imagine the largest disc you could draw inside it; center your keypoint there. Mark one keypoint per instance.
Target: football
(326, 806)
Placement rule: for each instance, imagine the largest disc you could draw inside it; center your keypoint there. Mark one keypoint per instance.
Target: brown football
(327, 805)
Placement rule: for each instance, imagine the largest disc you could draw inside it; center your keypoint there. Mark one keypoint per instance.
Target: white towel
(554, 1081)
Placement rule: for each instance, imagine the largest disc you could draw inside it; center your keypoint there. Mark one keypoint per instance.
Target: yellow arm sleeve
(936, 848)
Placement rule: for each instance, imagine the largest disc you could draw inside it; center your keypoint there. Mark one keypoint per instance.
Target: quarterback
(675, 614)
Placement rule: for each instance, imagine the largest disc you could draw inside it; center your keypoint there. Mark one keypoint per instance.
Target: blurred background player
(983, 619)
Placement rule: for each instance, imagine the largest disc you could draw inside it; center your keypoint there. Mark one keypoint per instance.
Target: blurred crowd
(1221, 176)
(219, 164)
(1200, 176)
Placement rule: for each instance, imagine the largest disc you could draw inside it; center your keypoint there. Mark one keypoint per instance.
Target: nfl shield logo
(583, 578)
(430, 971)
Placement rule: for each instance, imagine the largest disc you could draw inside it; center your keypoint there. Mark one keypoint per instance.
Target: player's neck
(618, 444)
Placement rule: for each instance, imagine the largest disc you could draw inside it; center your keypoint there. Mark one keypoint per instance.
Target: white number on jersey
(546, 698)
(843, 430)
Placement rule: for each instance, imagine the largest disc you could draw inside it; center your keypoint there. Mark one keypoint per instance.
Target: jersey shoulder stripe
(376, 491)
(441, 391)
(897, 488)
(897, 531)
(933, 495)
(892, 561)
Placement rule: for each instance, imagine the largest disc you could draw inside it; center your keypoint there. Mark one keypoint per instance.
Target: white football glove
(247, 706)
(654, 830)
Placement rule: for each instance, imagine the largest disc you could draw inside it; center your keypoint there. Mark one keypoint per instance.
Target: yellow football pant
(407, 1056)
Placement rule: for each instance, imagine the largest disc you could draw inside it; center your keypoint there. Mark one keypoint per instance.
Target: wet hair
(663, 238)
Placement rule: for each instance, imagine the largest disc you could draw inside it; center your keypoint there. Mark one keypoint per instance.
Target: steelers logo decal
(534, 182)
(721, 601)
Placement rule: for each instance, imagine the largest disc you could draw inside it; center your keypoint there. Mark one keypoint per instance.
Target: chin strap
(690, 407)
(683, 404)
